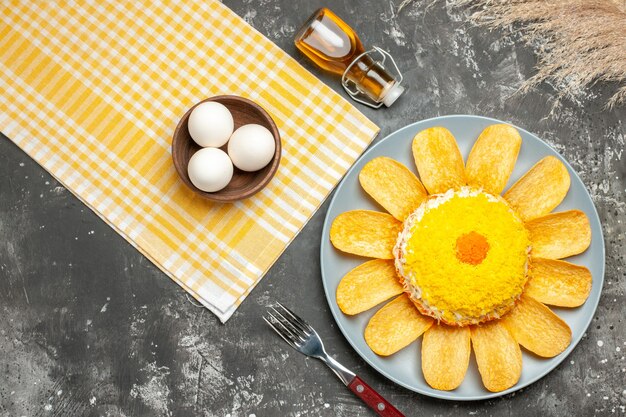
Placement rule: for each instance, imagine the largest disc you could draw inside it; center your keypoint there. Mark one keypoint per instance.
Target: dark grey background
(88, 326)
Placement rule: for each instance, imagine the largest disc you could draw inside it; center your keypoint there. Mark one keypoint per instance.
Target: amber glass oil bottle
(334, 46)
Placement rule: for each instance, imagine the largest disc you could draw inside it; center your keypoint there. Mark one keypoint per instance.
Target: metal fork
(303, 338)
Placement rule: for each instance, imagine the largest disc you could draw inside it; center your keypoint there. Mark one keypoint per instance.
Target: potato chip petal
(559, 235)
(438, 160)
(365, 233)
(367, 285)
(445, 356)
(492, 158)
(558, 283)
(395, 326)
(498, 356)
(537, 328)
(540, 190)
(393, 186)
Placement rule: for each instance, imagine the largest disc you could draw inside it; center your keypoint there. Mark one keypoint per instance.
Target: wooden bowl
(243, 184)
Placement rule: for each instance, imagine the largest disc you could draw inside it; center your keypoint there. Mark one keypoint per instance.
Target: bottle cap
(393, 93)
(388, 97)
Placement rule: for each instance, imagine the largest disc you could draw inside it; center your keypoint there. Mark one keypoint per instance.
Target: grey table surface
(88, 326)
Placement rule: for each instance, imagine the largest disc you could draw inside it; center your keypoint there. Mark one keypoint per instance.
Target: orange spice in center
(471, 248)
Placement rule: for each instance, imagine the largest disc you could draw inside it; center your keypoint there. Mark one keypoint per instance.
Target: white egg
(251, 147)
(210, 169)
(210, 124)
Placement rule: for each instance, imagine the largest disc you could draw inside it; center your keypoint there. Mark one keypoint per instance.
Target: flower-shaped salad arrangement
(468, 267)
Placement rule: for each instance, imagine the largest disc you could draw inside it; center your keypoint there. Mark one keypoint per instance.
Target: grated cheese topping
(463, 256)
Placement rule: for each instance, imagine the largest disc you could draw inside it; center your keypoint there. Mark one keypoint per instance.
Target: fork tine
(280, 333)
(306, 326)
(293, 336)
(299, 333)
(285, 333)
(295, 317)
(301, 329)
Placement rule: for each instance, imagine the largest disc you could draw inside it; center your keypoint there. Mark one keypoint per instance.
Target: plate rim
(449, 395)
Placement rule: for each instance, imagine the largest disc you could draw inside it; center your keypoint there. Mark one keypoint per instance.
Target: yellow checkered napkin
(94, 91)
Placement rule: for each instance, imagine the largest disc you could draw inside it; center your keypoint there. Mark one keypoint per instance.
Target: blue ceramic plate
(404, 367)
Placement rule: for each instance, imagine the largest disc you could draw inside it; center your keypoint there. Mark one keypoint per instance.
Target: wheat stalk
(578, 42)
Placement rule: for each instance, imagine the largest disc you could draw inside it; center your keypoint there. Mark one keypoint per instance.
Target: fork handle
(373, 399)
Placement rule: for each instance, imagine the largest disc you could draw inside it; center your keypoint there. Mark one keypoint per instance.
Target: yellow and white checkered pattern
(93, 91)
